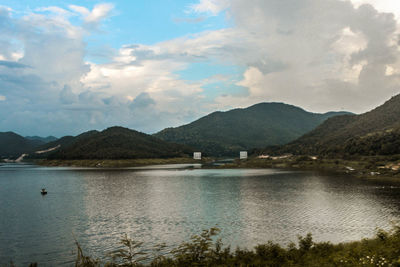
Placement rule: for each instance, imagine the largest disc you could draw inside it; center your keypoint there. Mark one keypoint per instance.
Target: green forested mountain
(66, 141)
(114, 143)
(376, 132)
(13, 145)
(226, 133)
(44, 140)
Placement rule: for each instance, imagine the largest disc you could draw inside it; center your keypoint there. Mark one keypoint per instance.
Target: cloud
(67, 96)
(210, 6)
(98, 13)
(55, 10)
(388, 6)
(54, 50)
(143, 100)
(320, 55)
(12, 64)
(60, 93)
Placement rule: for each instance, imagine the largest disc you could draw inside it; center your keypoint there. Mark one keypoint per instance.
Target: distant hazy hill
(13, 145)
(376, 132)
(113, 143)
(44, 140)
(226, 133)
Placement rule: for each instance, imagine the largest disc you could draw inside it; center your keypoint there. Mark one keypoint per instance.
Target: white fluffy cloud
(95, 15)
(42, 52)
(320, 55)
(388, 6)
(210, 6)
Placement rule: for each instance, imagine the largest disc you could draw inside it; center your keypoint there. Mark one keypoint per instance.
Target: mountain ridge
(115, 143)
(224, 133)
(372, 133)
(12, 145)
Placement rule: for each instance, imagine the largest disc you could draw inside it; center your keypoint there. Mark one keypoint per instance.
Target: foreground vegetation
(207, 249)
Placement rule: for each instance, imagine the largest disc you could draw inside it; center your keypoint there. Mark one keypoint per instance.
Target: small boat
(43, 192)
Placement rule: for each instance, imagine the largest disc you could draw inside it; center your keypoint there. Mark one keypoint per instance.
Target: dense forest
(13, 145)
(226, 133)
(114, 143)
(376, 132)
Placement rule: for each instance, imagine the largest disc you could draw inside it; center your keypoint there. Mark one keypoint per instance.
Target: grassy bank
(373, 166)
(120, 163)
(365, 166)
(207, 250)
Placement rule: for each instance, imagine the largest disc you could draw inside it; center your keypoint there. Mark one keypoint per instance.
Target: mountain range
(376, 132)
(280, 127)
(44, 140)
(260, 125)
(112, 143)
(13, 145)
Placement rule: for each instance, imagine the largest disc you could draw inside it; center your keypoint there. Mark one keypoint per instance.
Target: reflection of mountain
(226, 133)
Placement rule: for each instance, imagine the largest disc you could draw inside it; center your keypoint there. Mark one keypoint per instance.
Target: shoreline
(112, 163)
(371, 167)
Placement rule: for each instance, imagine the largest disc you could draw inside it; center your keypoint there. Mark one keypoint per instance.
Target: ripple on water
(170, 205)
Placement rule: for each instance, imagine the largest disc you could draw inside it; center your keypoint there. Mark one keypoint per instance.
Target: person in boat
(44, 192)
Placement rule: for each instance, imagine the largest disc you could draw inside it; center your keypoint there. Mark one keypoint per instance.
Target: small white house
(197, 155)
(243, 154)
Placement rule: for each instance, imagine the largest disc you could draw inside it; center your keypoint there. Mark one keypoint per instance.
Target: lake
(251, 206)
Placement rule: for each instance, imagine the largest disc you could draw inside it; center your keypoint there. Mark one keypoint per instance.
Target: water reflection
(169, 205)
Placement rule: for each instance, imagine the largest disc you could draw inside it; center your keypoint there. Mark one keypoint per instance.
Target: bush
(207, 249)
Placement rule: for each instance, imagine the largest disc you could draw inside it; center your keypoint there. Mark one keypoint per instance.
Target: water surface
(156, 205)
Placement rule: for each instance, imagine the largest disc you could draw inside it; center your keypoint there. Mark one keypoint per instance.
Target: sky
(71, 66)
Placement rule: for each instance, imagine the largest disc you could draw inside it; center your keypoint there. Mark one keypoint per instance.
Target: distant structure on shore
(243, 154)
(197, 155)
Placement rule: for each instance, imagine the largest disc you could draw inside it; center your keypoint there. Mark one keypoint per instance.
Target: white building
(243, 154)
(197, 155)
